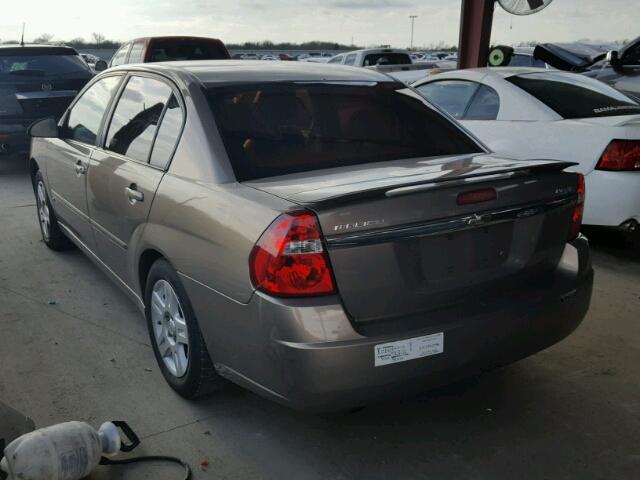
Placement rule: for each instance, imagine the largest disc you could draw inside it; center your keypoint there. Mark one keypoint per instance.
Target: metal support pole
(412, 17)
(476, 18)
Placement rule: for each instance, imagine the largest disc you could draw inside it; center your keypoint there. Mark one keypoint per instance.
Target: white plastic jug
(68, 451)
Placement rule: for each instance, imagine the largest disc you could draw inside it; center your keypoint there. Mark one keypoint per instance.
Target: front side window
(83, 121)
(120, 56)
(453, 96)
(276, 129)
(136, 117)
(575, 96)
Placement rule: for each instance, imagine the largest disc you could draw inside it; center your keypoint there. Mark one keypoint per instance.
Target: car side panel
(115, 217)
(207, 231)
(66, 160)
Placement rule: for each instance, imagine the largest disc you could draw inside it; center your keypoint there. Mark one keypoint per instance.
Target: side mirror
(45, 128)
(100, 66)
(612, 58)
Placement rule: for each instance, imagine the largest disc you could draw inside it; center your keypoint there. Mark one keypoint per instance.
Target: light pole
(413, 18)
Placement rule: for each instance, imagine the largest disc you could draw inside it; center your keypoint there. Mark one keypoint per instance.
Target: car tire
(176, 338)
(52, 234)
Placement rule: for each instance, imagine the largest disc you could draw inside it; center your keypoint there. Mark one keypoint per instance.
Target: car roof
(174, 37)
(216, 72)
(377, 50)
(14, 49)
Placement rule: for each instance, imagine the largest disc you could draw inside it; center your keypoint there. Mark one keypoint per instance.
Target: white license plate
(409, 349)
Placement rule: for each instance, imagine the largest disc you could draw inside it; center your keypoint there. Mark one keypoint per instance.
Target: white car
(548, 114)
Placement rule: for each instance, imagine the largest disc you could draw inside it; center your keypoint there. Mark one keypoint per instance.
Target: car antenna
(22, 37)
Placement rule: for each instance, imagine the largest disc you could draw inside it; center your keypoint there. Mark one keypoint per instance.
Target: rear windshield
(575, 96)
(40, 65)
(171, 50)
(386, 59)
(276, 129)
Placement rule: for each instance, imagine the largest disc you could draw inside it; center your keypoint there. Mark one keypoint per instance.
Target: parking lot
(74, 347)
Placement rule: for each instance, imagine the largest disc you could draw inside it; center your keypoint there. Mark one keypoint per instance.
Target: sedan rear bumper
(14, 137)
(310, 356)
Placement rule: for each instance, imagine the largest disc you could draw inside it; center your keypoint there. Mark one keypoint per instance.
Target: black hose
(150, 458)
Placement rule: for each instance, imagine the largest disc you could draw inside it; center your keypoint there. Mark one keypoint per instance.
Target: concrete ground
(73, 347)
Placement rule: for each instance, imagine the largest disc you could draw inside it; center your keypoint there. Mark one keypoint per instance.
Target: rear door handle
(80, 168)
(133, 193)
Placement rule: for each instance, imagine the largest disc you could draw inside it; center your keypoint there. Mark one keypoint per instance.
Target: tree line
(98, 40)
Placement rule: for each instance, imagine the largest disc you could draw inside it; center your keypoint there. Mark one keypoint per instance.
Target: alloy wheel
(170, 328)
(43, 210)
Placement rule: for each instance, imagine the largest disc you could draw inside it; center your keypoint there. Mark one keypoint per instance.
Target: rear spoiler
(392, 187)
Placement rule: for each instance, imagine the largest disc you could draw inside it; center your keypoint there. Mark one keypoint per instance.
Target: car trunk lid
(400, 244)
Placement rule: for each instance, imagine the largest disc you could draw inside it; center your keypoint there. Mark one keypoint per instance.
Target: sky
(366, 22)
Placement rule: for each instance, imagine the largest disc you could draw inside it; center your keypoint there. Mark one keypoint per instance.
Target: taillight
(620, 155)
(476, 196)
(578, 210)
(289, 259)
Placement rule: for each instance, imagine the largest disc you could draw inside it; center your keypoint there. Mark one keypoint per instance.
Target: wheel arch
(147, 258)
(33, 170)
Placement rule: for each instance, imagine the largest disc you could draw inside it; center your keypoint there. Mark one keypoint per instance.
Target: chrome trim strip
(70, 206)
(132, 294)
(444, 226)
(110, 236)
(46, 94)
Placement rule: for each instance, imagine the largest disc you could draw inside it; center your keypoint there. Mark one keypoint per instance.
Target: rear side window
(453, 96)
(350, 60)
(136, 117)
(575, 96)
(168, 133)
(83, 121)
(484, 105)
(137, 53)
(276, 129)
(173, 50)
(337, 59)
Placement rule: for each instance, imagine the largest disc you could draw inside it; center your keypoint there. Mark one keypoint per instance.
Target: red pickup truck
(166, 49)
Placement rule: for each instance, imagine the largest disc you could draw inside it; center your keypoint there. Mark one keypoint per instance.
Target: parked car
(269, 57)
(315, 57)
(558, 115)
(322, 236)
(393, 61)
(36, 81)
(618, 68)
(164, 49)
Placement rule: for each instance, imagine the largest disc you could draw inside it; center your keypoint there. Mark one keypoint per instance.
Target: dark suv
(166, 49)
(36, 81)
